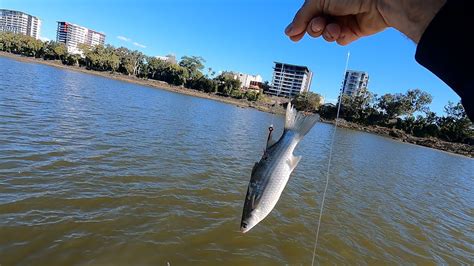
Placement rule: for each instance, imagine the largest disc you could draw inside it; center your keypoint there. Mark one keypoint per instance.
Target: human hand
(345, 21)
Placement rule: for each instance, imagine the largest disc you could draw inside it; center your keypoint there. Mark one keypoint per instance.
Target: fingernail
(328, 35)
(289, 28)
(315, 27)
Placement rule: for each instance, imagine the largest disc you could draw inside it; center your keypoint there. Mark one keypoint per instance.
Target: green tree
(20, 44)
(455, 126)
(54, 51)
(307, 101)
(155, 67)
(193, 64)
(395, 105)
(425, 126)
(131, 62)
(101, 58)
(203, 83)
(31, 46)
(359, 107)
(252, 96)
(10, 42)
(174, 74)
(71, 59)
(228, 86)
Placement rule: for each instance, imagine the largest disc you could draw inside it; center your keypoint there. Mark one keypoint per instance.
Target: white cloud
(44, 39)
(139, 45)
(124, 38)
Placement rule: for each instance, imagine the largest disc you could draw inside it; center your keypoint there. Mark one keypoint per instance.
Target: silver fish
(270, 175)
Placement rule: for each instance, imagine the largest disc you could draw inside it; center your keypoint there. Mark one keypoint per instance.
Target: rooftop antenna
(329, 163)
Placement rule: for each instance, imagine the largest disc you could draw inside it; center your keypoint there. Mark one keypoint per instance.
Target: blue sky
(245, 36)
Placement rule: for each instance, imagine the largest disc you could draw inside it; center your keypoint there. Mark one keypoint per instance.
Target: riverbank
(260, 105)
(265, 106)
(400, 135)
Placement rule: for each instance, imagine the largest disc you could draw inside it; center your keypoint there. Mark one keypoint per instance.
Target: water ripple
(96, 171)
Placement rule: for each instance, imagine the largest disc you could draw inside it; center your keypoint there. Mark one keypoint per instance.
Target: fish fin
(298, 122)
(253, 202)
(293, 161)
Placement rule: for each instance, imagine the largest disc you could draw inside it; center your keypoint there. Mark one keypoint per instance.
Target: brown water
(100, 172)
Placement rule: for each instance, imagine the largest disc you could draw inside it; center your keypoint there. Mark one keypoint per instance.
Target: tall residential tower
(72, 35)
(354, 81)
(290, 80)
(19, 22)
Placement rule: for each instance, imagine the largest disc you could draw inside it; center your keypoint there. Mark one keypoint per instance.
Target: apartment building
(19, 22)
(354, 81)
(73, 35)
(290, 80)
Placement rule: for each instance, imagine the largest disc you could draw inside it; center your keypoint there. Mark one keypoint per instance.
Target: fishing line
(329, 162)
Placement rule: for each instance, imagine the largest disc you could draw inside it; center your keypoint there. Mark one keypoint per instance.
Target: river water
(95, 171)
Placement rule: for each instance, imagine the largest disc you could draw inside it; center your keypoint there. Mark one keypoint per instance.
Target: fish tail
(298, 122)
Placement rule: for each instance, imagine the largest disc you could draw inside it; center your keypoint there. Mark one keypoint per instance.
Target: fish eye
(244, 225)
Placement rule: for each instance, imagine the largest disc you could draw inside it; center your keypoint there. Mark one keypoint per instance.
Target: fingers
(297, 28)
(297, 37)
(320, 26)
(316, 27)
(347, 36)
(332, 32)
(308, 19)
(338, 30)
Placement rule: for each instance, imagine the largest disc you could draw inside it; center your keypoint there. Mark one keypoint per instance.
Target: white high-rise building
(290, 80)
(72, 35)
(354, 81)
(19, 22)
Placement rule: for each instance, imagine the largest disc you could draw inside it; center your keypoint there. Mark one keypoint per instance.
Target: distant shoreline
(455, 148)
(150, 83)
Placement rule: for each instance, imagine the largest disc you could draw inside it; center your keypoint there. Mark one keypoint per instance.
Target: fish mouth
(244, 228)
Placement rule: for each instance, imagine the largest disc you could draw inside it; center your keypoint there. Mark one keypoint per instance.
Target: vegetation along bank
(403, 116)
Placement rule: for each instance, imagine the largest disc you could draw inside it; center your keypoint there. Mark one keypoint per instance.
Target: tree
(395, 105)
(71, 59)
(174, 74)
(54, 51)
(328, 111)
(203, 84)
(307, 101)
(31, 46)
(228, 86)
(359, 107)
(265, 86)
(417, 101)
(155, 66)
(131, 62)
(252, 96)
(194, 65)
(424, 126)
(20, 44)
(455, 126)
(128, 63)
